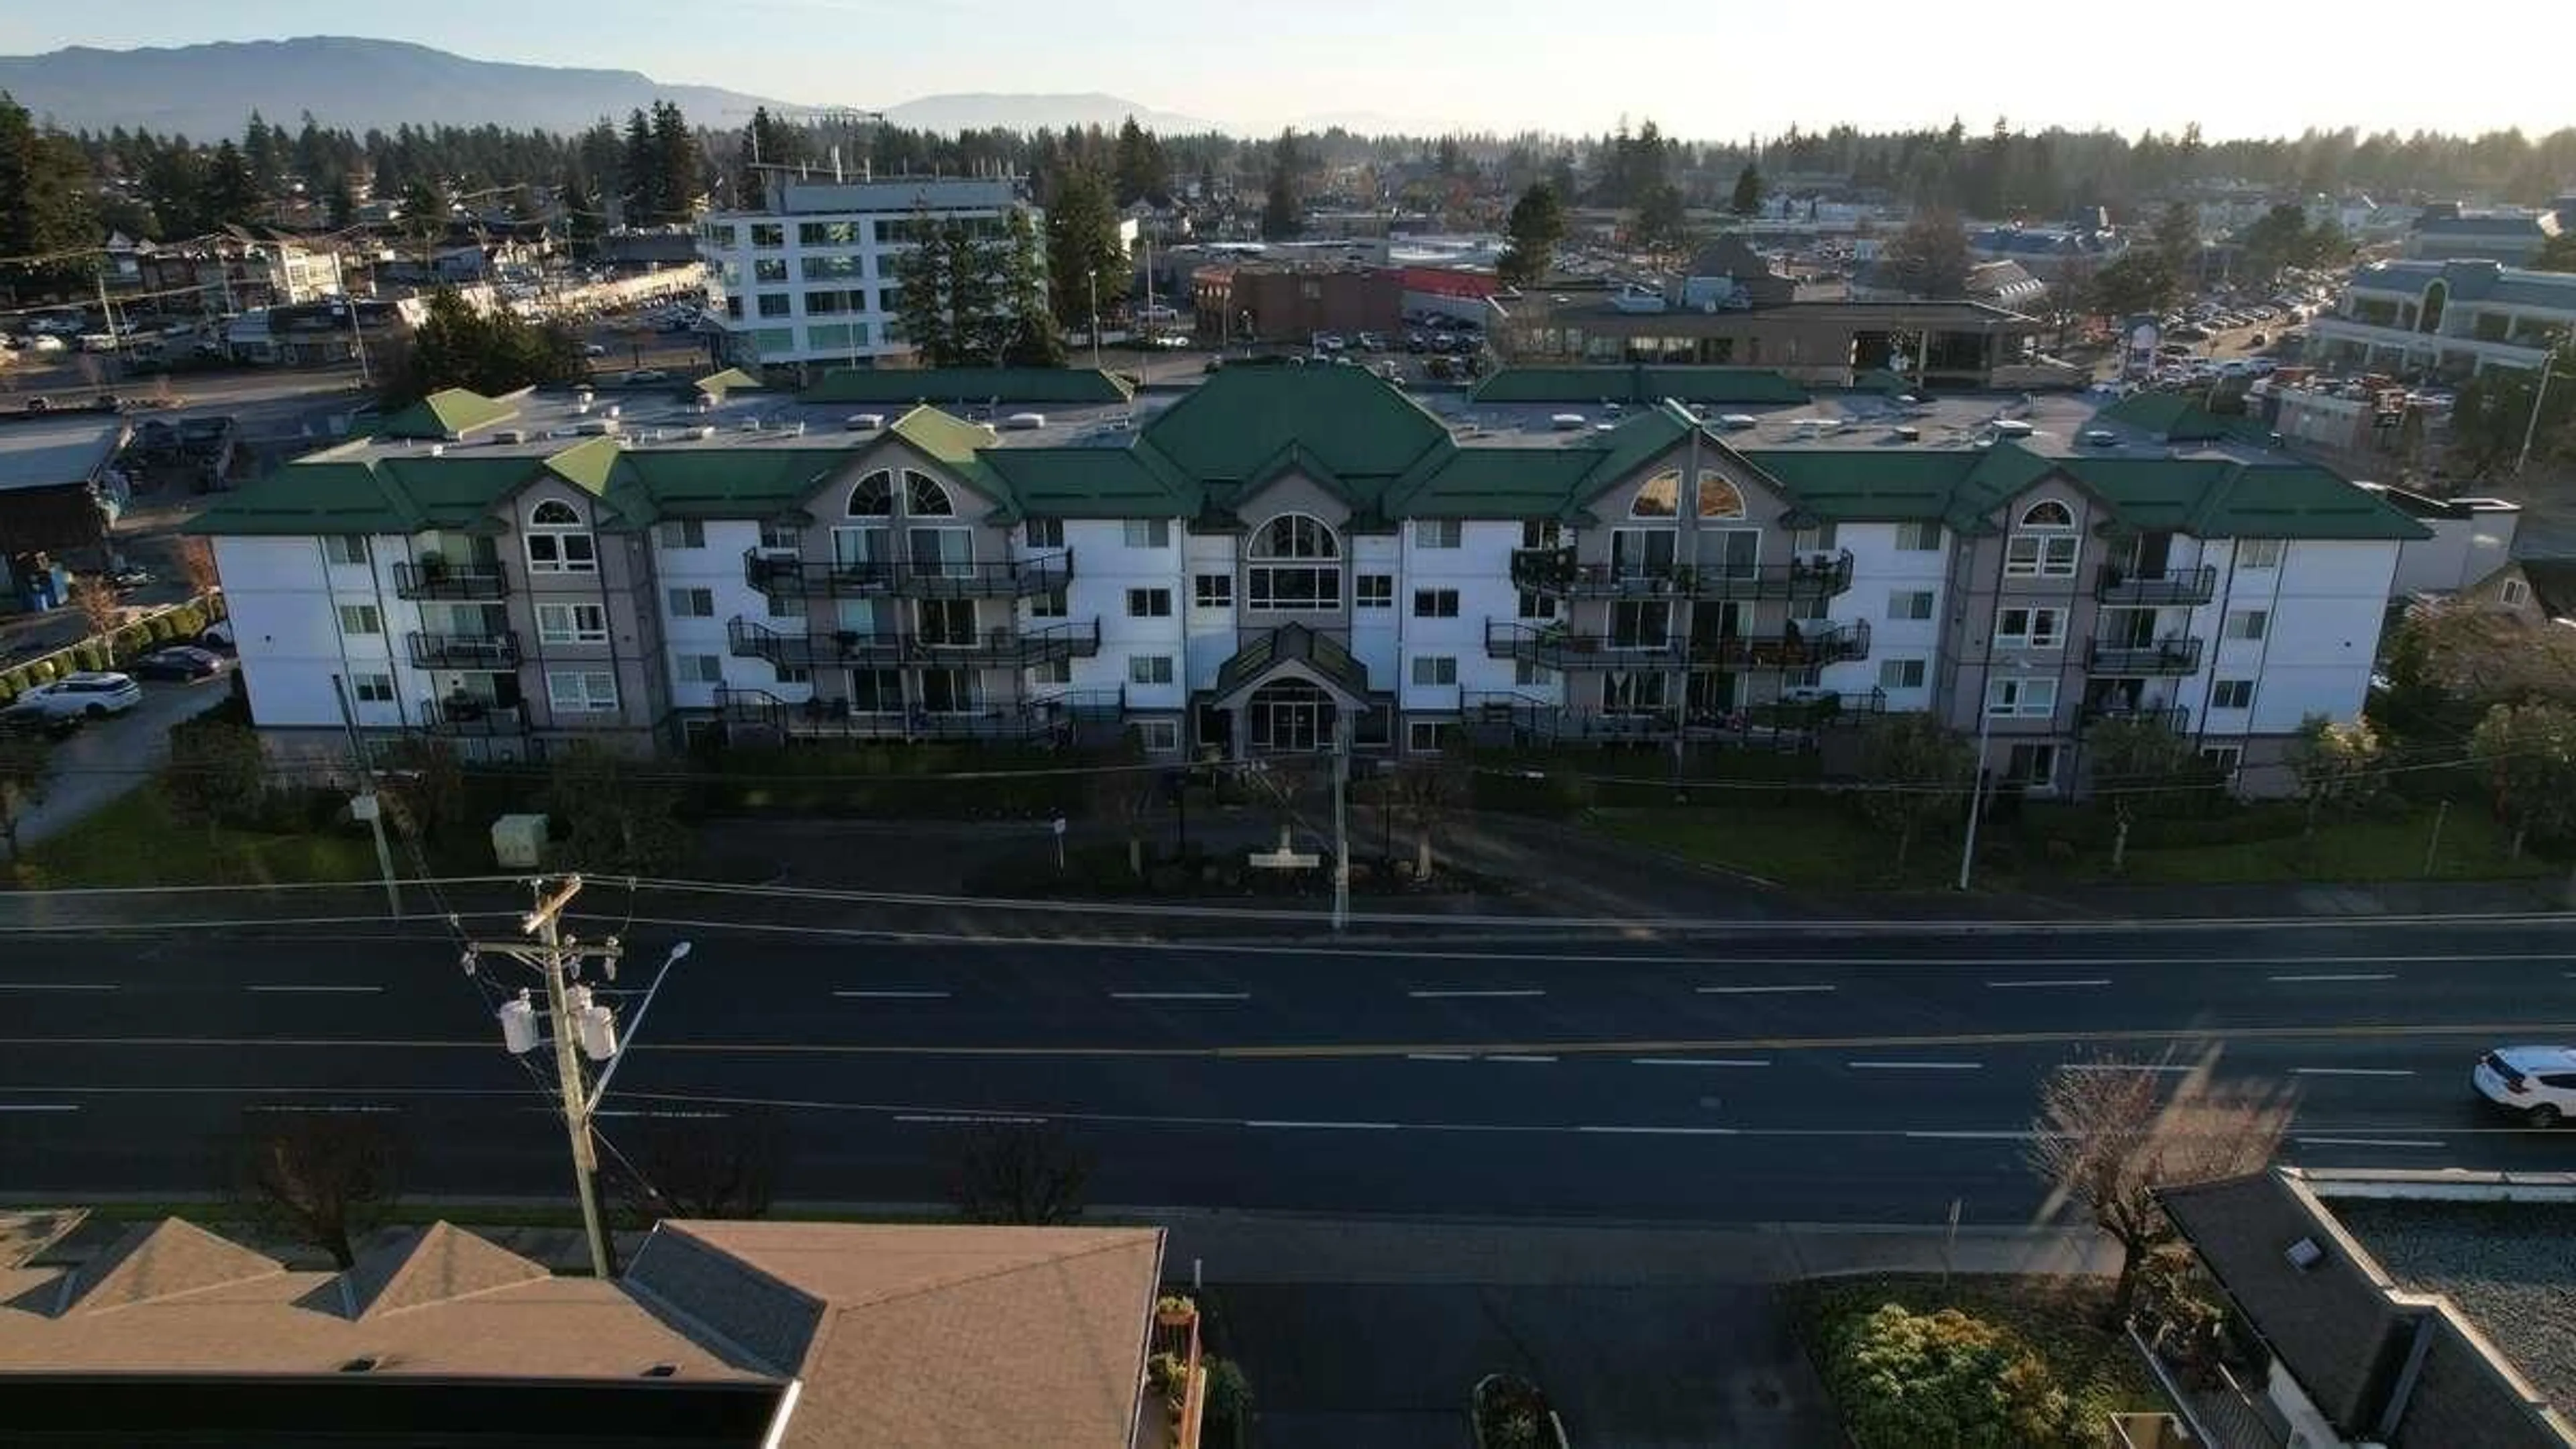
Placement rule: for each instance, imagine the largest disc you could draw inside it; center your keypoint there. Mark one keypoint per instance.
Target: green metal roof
(1135, 482)
(732, 379)
(2176, 418)
(1357, 426)
(1294, 644)
(968, 384)
(1638, 383)
(449, 413)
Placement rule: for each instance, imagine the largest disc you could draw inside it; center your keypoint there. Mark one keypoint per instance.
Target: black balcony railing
(1795, 645)
(785, 574)
(2172, 587)
(463, 716)
(425, 580)
(1048, 717)
(1808, 576)
(494, 652)
(2176, 655)
(2175, 718)
(1535, 719)
(993, 648)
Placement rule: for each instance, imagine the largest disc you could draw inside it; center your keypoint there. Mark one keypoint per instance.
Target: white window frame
(1373, 591)
(1535, 605)
(1158, 736)
(1422, 736)
(1045, 534)
(1438, 533)
(680, 533)
(1051, 604)
(2042, 555)
(700, 668)
(2013, 696)
(2032, 635)
(1435, 603)
(787, 538)
(2258, 555)
(1437, 665)
(2219, 688)
(361, 621)
(1530, 674)
(2248, 625)
(1149, 669)
(684, 602)
(1148, 532)
(1212, 591)
(372, 688)
(1920, 669)
(344, 548)
(1918, 536)
(571, 631)
(585, 696)
(1912, 604)
(1051, 671)
(2226, 759)
(1149, 603)
(569, 547)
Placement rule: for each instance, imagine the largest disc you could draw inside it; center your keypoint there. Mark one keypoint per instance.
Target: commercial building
(719, 1335)
(2447, 232)
(1290, 303)
(2448, 319)
(1567, 554)
(815, 276)
(60, 489)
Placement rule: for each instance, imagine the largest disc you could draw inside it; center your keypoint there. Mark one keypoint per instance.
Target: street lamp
(1977, 779)
(1092, 277)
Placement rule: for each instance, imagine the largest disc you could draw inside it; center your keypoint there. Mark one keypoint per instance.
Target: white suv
(86, 696)
(2538, 1083)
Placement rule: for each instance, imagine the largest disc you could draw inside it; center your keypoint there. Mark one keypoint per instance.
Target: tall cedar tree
(681, 174)
(492, 353)
(1537, 224)
(47, 205)
(1747, 200)
(639, 171)
(1143, 172)
(1082, 249)
(1279, 218)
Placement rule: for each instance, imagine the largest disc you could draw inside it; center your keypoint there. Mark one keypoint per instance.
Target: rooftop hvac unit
(1024, 422)
(796, 429)
(750, 425)
(519, 1025)
(1566, 422)
(510, 435)
(702, 433)
(1909, 434)
(864, 422)
(438, 450)
(615, 411)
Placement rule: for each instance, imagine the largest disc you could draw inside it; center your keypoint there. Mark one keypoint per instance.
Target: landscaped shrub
(129, 641)
(43, 671)
(1905, 1380)
(12, 684)
(91, 656)
(159, 627)
(188, 621)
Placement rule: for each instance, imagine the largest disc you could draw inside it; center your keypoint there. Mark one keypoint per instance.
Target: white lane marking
(313, 990)
(1431, 993)
(1659, 1131)
(1757, 990)
(38, 1107)
(1180, 996)
(1970, 1136)
(57, 986)
(1698, 1061)
(2339, 976)
(2352, 1071)
(1532, 1057)
(1439, 1056)
(951, 1119)
(2367, 1142)
(1326, 1126)
(895, 995)
(2173, 1067)
(1914, 1066)
(2063, 981)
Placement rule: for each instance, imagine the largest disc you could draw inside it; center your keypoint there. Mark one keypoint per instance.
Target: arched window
(924, 498)
(2044, 544)
(558, 541)
(1719, 498)
(1658, 497)
(873, 497)
(1294, 565)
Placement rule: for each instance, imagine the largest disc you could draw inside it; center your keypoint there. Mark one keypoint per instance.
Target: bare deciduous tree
(197, 565)
(96, 599)
(1019, 1172)
(1428, 790)
(710, 1166)
(2106, 1137)
(324, 1178)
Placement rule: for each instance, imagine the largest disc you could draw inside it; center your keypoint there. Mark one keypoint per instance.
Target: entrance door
(1290, 716)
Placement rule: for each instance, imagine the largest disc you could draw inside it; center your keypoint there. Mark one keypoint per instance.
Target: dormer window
(1719, 498)
(924, 498)
(2044, 544)
(872, 497)
(1658, 497)
(559, 542)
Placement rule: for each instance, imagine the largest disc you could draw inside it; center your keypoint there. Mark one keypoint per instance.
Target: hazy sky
(1701, 68)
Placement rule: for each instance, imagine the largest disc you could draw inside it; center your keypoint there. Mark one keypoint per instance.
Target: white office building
(814, 278)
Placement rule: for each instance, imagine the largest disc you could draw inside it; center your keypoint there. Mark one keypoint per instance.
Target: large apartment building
(813, 277)
(1243, 566)
(2451, 319)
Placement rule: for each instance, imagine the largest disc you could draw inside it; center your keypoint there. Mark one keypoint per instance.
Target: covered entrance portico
(1284, 692)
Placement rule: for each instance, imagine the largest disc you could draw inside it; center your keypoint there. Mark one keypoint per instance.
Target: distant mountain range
(208, 91)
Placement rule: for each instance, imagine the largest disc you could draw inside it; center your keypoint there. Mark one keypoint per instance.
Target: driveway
(113, 756)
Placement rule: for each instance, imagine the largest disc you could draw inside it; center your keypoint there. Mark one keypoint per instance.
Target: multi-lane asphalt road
(1746, 1075)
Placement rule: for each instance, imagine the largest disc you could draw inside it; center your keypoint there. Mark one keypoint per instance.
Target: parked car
(2536, 1083)
(644, 376)
(183, 662)
(85, 695)
(217, 636)
(24, 718)
(129, 576)
(594, 349)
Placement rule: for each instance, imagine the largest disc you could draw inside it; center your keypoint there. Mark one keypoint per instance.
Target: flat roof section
(57, 449)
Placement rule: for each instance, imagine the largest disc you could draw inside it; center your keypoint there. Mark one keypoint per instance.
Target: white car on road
(2537, 1083)
(85, 695)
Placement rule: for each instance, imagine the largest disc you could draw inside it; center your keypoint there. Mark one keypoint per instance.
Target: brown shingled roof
(437, 1263)
(163, 1260)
